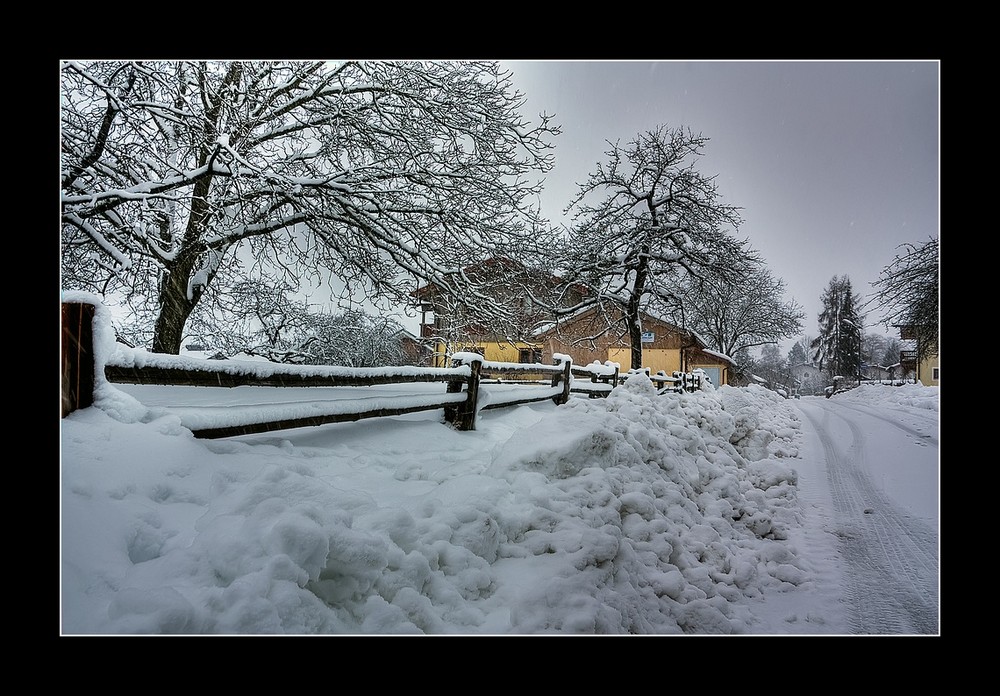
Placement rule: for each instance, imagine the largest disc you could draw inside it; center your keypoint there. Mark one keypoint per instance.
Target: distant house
(415, 351)
(875, 372)
(585, 338)
(807, 377)
(917, 358)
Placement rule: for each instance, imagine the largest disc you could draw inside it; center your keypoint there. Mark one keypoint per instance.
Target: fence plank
(78, 371)
(254, 428)
(181, 376)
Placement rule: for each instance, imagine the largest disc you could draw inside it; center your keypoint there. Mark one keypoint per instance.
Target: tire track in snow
(922, 436)
(892, 573)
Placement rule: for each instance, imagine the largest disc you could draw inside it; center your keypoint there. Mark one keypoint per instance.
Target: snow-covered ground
(698, 513)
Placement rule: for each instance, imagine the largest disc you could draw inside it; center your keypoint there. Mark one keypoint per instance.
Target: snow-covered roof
(709, 351)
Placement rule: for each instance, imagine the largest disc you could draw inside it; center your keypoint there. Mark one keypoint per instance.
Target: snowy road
(878, 465)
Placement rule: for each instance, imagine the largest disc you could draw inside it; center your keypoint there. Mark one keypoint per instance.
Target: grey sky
(834, 164)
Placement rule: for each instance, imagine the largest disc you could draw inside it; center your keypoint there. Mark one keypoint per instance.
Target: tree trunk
(634, 307)
(175, 307)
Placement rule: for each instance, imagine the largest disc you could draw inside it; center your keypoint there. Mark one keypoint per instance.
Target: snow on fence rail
(677, 382)
(461, 400)
(602, 378)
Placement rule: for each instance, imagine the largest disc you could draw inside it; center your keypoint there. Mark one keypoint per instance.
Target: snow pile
(653, 521)
(632, 514)
(908, 395)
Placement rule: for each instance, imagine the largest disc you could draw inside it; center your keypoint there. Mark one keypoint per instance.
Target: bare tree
(351, 339)
(772, 366)
(178, 176)
(893, 346)
(873, 348)
(733, 314)
(907, 293)
(643, 222)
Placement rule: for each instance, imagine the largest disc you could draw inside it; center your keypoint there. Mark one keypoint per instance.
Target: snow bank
(632, 514)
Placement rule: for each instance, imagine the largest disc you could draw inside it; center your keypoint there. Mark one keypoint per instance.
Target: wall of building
(490, 350)
(928, 372)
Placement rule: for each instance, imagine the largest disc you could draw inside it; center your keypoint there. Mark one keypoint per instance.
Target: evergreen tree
(841, 327)
(798, 355)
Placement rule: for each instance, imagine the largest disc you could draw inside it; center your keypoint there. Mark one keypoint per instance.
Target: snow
(691, 513)
(717, 354)
(209, 417)
(121, 355)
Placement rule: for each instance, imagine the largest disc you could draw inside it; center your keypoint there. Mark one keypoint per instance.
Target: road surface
(881, 465)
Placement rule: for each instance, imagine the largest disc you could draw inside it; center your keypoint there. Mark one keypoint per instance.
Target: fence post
(77, 356)
(463, 415)
(565, 378)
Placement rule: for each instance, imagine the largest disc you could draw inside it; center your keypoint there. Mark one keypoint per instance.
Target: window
(936, 374)
(529, 355)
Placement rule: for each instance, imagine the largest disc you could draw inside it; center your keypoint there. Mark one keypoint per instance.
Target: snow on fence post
(463, 415)
(77, 356)
(618, 368)
(565, 377)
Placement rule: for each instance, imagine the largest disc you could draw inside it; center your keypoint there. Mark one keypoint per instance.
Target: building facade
(665, 347)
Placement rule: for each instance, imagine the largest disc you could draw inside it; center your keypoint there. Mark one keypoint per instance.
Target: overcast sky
(834, 164)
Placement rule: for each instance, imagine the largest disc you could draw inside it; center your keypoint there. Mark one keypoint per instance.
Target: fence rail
(460, 401)
(675, 382)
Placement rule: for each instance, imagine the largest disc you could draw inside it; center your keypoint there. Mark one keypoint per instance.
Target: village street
(875, 487)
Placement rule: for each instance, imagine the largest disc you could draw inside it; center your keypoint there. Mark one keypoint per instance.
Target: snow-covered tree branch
(907, 292)
(737, 314)
(381, 173)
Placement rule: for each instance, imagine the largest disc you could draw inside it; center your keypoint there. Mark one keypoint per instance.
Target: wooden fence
(675, 382)
(460, 402)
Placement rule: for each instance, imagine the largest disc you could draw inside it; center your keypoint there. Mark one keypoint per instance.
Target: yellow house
(492, 350)
(587, 336)
(447, 328)
(664, 346)
(929, 371)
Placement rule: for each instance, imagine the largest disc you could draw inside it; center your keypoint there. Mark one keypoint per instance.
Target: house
(808, 377)
(414, 351)
(875, 372)
(921, 355)
(586, 337)
(446, 327)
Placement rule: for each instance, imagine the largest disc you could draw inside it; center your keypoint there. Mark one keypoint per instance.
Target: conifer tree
(841, 327)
